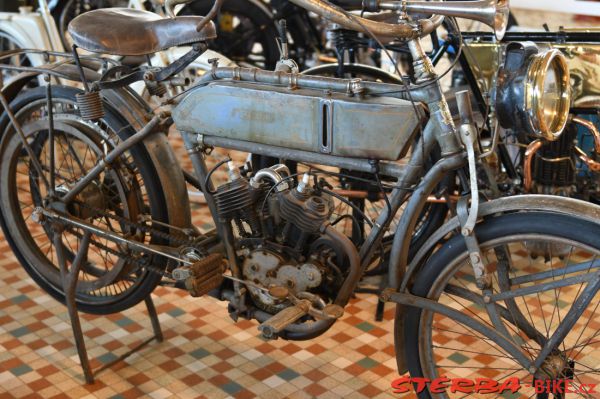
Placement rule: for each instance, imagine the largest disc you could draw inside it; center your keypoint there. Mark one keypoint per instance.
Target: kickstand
(380, 304)
(69, 280)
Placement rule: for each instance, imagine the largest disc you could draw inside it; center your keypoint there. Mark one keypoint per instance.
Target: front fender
(531, 202)
(137, 113)
(541, 203)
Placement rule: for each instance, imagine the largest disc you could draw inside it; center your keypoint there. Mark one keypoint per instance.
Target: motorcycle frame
(438, 129)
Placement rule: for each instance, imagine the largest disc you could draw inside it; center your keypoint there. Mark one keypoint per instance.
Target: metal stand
(69, 280)
(376, 291)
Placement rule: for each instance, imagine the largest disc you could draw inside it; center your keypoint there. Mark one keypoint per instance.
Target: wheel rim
(105, 277)
(456, 351)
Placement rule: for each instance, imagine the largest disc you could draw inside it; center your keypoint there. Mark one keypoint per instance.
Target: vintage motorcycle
(88, 184)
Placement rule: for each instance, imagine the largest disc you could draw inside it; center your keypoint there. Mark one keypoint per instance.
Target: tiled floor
(205, 353)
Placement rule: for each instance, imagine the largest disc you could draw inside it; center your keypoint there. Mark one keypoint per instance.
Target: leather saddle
(129, 32)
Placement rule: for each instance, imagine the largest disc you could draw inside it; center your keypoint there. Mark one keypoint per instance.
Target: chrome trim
(534, 92)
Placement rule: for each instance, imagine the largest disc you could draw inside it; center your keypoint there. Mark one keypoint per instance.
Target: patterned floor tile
(205, 353)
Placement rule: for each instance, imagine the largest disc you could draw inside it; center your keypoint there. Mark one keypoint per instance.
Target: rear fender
(137, 113)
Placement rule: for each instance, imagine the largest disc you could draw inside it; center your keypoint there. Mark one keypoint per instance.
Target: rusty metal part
(90, 105)
(321, 122)
(592, 164)
(546, 203)
(157, 89)
(306, 212)
(530, 152)
(279, 292)
(274, 325)
(200, 287)
(207, 265)
(355, 270)
(206, 275)
(362, 194)
(333, 311)
(592, 128)
(70, 280)
(137, 114)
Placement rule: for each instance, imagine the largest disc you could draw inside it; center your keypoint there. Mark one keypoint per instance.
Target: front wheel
(537, 262)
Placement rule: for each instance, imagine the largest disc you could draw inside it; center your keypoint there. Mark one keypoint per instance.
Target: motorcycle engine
(279, 238)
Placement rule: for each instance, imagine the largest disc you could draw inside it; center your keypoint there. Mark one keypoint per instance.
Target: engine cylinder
(307, 212)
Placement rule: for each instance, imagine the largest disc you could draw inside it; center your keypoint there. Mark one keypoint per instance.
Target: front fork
(467, 215)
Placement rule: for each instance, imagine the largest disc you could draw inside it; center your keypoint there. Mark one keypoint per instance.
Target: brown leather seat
(124, 31)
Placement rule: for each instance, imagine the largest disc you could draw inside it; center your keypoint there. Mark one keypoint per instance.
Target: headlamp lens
(548, 94)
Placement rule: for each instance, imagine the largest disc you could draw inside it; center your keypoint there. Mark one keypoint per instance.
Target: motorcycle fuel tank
(310, 120)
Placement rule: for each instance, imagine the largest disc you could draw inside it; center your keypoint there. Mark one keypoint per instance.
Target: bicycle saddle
(124, 31)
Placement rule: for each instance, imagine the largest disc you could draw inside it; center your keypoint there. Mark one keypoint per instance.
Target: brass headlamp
(533, 93)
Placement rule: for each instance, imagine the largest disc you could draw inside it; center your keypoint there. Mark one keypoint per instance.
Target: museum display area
(299, 199)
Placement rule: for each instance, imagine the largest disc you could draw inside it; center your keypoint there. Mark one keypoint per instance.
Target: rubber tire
(156, 200)
(562, 226)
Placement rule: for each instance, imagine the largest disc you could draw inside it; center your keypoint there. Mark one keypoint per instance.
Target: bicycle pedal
(271, 328)
(205, 275)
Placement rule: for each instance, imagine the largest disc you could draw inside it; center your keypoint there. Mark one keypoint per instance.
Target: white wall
(585, 7)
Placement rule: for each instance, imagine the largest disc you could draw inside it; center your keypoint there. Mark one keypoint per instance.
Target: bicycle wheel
(8, 43)
(128, 192)
(537, 262)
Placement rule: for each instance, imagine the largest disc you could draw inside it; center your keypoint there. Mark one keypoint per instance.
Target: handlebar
(337, 14)
(171, 4)
(401, 30)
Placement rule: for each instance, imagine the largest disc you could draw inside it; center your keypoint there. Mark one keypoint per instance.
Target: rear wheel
(128, 192)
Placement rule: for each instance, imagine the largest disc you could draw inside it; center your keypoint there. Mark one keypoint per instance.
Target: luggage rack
(60, 59)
